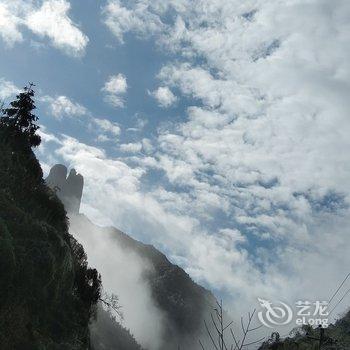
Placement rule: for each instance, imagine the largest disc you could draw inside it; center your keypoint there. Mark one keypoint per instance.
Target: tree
(220, 328)
(111, 302)
(87, 280)
(20, 119)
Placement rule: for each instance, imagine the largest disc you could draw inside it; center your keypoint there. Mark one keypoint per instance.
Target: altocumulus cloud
(45, 18)
(62, 106)
(164, 96)
(262, 148)
(107, 130)
(9, 22)
(270, 129)
(119, 19)
(131, 147)
(114, 89)
(7, 89)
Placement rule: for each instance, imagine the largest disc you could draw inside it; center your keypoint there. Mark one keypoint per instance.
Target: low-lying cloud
(123, 273)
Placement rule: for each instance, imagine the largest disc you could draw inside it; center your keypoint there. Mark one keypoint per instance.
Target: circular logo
(274, 315)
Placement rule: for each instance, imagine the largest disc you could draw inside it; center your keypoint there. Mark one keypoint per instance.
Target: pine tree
(19, 117)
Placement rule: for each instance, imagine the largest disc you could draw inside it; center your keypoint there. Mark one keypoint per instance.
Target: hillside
(335, 337)
(184, 303)
(49, 294)
(107, 333)
(47, 291)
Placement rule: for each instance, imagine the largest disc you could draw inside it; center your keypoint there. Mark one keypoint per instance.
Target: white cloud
(147, 145)
(131, 147)
(164, 96)
(7, 89)
(52, 20)
(62, 106)
(107, 125)
(46, 18)
(107, 130)
(139, 125)
(266, 142)
(9, 22)
(120, 19)
(103, 138)
(116, 84)
(114, 88)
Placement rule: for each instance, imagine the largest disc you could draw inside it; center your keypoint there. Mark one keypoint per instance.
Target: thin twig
(234, 338)
(212, 340)
(201, 344)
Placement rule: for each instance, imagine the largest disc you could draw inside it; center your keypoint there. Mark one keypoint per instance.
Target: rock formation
(69, 189)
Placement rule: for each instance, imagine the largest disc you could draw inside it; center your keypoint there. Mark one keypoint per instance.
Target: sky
(216, 130)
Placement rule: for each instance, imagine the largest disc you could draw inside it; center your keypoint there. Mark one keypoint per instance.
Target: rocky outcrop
(68, 189)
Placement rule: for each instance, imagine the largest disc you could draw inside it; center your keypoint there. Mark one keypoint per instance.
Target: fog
(122, 274)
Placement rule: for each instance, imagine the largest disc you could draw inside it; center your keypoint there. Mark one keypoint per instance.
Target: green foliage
(20, 119)
(87, 281)
(47, 291)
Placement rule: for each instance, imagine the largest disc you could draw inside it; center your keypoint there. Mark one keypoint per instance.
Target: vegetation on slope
(335, 337)
(108, 334)
(47, 291)
(184, 303)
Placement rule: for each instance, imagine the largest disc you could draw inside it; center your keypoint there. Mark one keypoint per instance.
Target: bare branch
(217, 329)
(220, 331)
(208, 331)
(255, 342)
(228, 325)
(243, 329)
(234, 338)
(112, 303)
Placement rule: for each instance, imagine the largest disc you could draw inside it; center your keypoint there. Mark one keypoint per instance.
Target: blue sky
(217, 136)
(81, 78)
